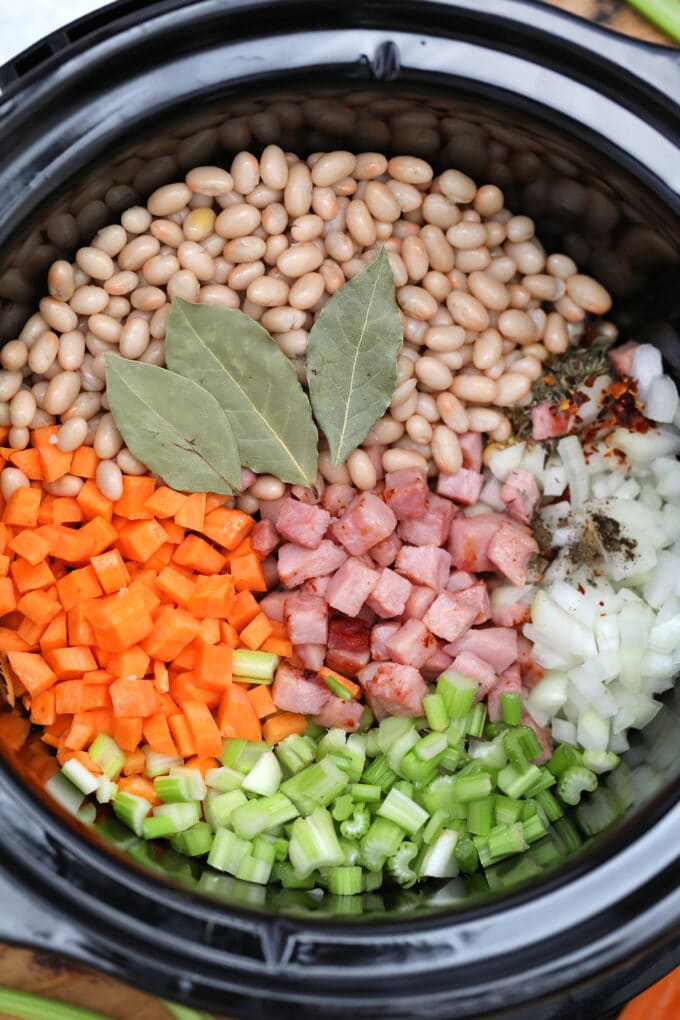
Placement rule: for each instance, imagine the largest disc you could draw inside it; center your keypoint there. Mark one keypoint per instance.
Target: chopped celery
(227, 851)
(366, 792)
(380, 842)
(108, 755)
(357, 824)
(222, 806)
(434, 826)
(295, 752)
(173, 789)
(265, 776)
(131, 811)
(472, 787)
(155, 826)
(335, 687)
(160, 764)
(345, 880)
(182, 816)
(314, 843)
(242, 754)
(439, 860)
(316, 785)
(435, 711)
(480, 816)
(82, 778)
(195, 841)
(511, 707)
(563, 758)
(514, 782)
(404, 811)
(193, 777)
(575, 781)
(600, 761)
(399, 865)
(397, 735)
(224, 779)
(257, 667)
(263, 814)
(457, 692)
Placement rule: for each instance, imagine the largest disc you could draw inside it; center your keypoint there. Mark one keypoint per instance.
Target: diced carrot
(101, 534)
(140, 539)
(43, 711)
(73, 545)
(31, 545)
(97, 676)
(278, 646)
(139, 786)
(212, 668)
(14, 730)
(201, 763)
(229, 634)
(173, 532)
(187, 657)
(198, 554)
(132, 697)
(147, 595)
(73, 696)
(120, 620)
(212, 596)
(213, 500)
(136, 490)
(22, 507)
(349, 685)
(192, 513)
(161, 680)
(28, 578)
(8, 596)
(161, 558)
(69, 663)
(176, 585)
(43, 436)
(243, 609)
(6, 535)
(84, 463)
(227, 527)
(80, 630)
(260, 698)
(242, 549)
(32, 670)
(278, 629)
(167, 705)
(157, 734)
(111, 571)
(256, 632)
(55, 463)
(127, 733)
(210, 631)
(92, 502)
(27, 461)
(203, 728)
(4, 565)
(132, 662)
(247, 574)
(165, 502)
(78, 586)
(236, 716)
(172, 632)
(182, 735)
(183, 687)
(12, 620)
(11, 642)
(278, 727)
(87, 762)
(46, 511)
(39, 607)
(30, 631)
(65, 510)
(55, 634)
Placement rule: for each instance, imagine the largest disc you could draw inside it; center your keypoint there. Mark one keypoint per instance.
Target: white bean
(361, 470)
(109, 479)
(589, 294)
(512, 387)
(22, 407)
(62, 391)
(446, 451)
(467, 311)
(385, 431)
(396, 459)
(107, 440)
(72, 434)
(338, 473)
(267, 487)
(475, 388)
(10, 383)
(14, 355)
(129, 464)
(67, 485)
(12, 479)
(433, 373)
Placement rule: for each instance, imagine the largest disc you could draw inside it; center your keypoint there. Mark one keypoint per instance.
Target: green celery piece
(336, 688)
(489, 752)
(505, 840)
(399, 865)
(435, 711)
(515, 783)
(472, 787)
(357, 824)
(224, 779)
(430, 746)
(564, 757)
(155, 826)
(475, 720)
(575, 781)
(457, 692)
(466, 855)
(227, 851)
(600, 761)
(314, 843)
(418, 771)
(380, 773)
(403, 811)
(295, 752)
(439, 860)
(108, 754)
(380, 842)
(549, 805)
(262, 814)
(345, 880)
(316, 785)
(258, 667)
(195, 841)
(534, 828)
(343, 807)
(507, 810)
(434, 826)
(252, 869)
(242, 754)
(223, 806)
(480, 816)
(511, 707)
(173, 789)
(664, 14)
(182, 816)
(366, 792)
(193, 777)
(131, 811)
(264, 848)
(396, 735)
(284, 873)
(159, 764)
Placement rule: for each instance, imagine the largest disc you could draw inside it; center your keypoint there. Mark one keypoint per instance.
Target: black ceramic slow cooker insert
(580, 128)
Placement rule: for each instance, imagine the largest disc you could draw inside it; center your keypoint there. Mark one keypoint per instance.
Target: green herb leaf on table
(173, 426)
(253, 381)
(352, 357)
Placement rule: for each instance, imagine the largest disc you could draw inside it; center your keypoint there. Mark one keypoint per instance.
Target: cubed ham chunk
(547, 422)
(433, 526)
(449, 616)
(380, 636)
(348, 646)
(510, 551)
(406, 492)
(622, 358)
(306, 619)
(511, 606)
(248, 478)
(302, 523)
(412, 644)
(296, 690)
(425, 564)
(520, 493)
(367, 616)
(273, 605)
(393, 689)
(297, 564)
(310, 656)
(317, 585)
(531, 672)
(436, 664)
(337, 498)
(419, 601)
(470, 664)
(463, 487)
(390, 594)
(459, 579)
(471, 448)
(264, 537)
(509, 682)
(469, 541)
(477, 595)
(270, 508)
(385, 552)
(350, 586)
(367, 521)
(343, 714)
(544, 738)
(496, 645)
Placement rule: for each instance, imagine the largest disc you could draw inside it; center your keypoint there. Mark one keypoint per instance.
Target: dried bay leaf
(236, 360)
(352, 357)
(173, 426)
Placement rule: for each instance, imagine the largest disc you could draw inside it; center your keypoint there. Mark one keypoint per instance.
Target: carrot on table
(278, 727)
(236, 716)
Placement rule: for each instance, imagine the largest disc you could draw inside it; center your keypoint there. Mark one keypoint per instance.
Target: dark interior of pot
(608, 218)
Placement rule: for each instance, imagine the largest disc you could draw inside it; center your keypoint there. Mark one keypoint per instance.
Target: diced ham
(544, 738)
(297, 690)
(433, 526)
(375, 453)
(463, 487)
(477, 595)
(367, 521)
(350, 586)
(459, 579)
(425, 564)
(511, 606)
(317, 585)
(532, 673)
(469, 541)
(385, 552)
(367, 616)
(547, 423)
(337, 498)
(297, 564)
(436, 664)
(380, 636)
(406, 492)
(509, 682)
(248, 478)
(449, 616)
(471, 448)
(273, 604)
(393, 689)
(307, 495)
(520, 493)
(470, 664)
(419, 601)
(343, 714)
(348, 646)
(310, 656)
(495, 645)
(306, 619)
(264, 537)
(390, 594)
(270, 508)
(622, 358)
(510, 551)
(270, 572)
(302, 523)
(412, 644)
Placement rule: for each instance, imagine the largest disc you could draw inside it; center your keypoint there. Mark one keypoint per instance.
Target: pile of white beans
(482, 304)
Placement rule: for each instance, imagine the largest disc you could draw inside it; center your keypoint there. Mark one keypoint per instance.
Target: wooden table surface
(51, 976)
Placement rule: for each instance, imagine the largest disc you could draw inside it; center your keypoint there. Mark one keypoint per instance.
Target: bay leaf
(173, 426)
(236, 360)
(352, 357)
